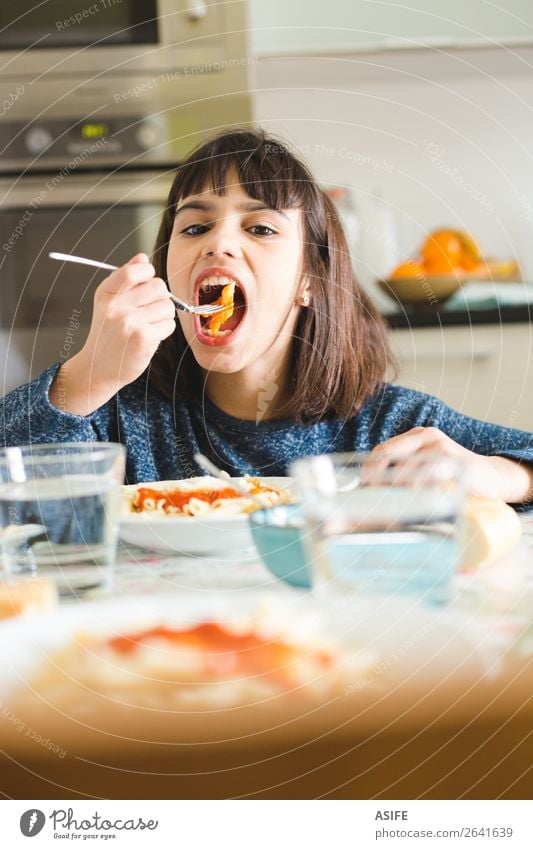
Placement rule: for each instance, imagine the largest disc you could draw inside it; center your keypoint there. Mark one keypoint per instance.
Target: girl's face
(232, 237)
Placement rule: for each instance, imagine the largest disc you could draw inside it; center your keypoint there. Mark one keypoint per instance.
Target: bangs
(266, 170)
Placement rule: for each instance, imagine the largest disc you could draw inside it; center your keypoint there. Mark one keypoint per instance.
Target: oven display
(90, 131)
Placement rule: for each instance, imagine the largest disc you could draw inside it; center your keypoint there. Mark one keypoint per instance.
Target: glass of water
(59, 511)
(378, 526)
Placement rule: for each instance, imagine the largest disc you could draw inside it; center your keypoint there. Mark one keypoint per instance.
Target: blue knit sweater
(161, 439)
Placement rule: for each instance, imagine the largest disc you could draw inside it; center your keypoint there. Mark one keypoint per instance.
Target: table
(468, 737)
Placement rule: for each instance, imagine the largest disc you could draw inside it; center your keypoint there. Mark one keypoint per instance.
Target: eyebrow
(245, 206)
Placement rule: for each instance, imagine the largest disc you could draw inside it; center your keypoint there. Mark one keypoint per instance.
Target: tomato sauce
(179, 498)
(223, 652)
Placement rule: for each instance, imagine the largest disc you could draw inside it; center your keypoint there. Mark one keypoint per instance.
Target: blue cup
(277, 534)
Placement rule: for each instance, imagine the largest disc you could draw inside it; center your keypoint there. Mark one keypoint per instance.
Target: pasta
(226, 300)
(204, 496)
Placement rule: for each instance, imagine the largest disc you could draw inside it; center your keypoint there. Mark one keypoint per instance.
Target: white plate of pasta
(202, 515)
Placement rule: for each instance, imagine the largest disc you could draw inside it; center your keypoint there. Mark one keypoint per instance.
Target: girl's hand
(132, 314)
(492, 477)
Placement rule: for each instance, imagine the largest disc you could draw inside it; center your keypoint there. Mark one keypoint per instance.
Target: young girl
(299, 367)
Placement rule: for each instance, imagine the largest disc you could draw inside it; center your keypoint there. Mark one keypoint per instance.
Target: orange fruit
(472, 256)
(408, 269)
(446, 251)
(442, 265)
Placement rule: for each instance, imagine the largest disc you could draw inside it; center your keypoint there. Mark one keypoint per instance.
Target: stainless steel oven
(184, 60)
(98, 107)
(103, 213)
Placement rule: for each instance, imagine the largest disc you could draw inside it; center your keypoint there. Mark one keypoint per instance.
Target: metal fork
(208, 309)
(211, 469)
(237, 483)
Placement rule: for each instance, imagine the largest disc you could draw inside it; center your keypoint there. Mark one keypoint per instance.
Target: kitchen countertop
(475, 302)
(405, 317)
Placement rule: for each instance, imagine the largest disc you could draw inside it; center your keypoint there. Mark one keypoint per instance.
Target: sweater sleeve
(397, 409)
(484, 437)
(27, 416)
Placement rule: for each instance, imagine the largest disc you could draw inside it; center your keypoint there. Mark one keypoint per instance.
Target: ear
(303, 297)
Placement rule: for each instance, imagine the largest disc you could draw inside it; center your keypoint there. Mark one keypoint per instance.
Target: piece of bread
(26, 595)
(489, 529)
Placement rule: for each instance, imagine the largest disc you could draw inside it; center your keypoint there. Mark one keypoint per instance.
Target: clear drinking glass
(381, 527)
(59, 511)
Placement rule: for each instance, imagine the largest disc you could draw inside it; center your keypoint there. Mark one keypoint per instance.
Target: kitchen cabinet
(485, 371)
(312, 26)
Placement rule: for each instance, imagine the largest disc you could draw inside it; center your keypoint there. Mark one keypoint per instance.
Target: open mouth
(227, 292)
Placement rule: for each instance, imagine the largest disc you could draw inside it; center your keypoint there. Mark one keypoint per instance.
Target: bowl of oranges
(447, 259)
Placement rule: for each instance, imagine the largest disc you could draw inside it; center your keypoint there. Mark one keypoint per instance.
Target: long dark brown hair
(340, 351)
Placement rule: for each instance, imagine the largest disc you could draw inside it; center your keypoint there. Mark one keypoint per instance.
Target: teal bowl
(276, 532)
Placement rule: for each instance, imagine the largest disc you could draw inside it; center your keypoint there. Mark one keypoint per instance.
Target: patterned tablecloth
(503, 594)
(142, 571)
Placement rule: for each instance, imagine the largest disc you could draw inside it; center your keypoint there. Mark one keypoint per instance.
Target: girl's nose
(222, 241)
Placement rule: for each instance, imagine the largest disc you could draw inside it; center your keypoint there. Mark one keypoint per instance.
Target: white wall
(280, 26)
(447, 139)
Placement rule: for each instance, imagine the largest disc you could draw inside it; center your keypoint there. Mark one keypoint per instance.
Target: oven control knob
(37, 139)
(148, 135)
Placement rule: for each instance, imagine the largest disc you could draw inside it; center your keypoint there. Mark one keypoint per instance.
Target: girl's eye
(194, 230)
(261, 230)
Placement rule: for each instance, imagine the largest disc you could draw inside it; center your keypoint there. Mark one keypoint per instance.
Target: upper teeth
(218, 280)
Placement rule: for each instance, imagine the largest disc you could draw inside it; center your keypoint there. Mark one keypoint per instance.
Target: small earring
(306, 299)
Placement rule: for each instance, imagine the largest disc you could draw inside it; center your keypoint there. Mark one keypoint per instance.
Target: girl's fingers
(152, 291)
(399, 459)
(163, 329)
(377, 470)
(410, 442)
(161, 310)
(127, 277)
